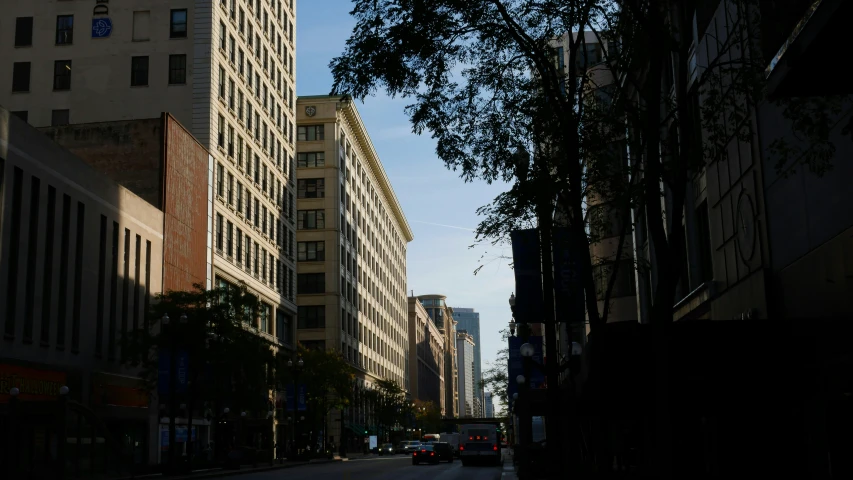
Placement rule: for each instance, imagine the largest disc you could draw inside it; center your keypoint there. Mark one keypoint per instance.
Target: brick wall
(185, 229)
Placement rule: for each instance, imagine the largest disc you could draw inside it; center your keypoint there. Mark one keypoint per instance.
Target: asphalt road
(398, 467)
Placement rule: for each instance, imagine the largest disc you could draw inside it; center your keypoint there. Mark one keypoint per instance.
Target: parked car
(411, 446)
(386, 449)
(443, 451)
(424, 454)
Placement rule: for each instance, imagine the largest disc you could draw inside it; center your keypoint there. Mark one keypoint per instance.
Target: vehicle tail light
(461, 447)
(431, 453)
(495, 448)
(415, 454)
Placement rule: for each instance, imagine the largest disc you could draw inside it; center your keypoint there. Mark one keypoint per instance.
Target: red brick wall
(185, 229)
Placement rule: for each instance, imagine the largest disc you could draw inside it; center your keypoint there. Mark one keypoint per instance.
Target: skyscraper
(469, 320)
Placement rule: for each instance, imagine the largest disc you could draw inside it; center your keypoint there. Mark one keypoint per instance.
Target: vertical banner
(537, 375)
(164, 367)
(568, 286)
(528, 276)
(515, 367)
(301, 404)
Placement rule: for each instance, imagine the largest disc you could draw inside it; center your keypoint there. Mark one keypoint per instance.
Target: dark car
(386, 449)
(443, 451)
(424, 455)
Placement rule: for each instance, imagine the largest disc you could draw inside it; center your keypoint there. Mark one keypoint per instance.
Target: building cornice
(351, 115)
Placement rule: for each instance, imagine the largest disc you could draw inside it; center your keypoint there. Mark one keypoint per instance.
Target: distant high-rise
(465, 362)
(469, 320)
(488, 405)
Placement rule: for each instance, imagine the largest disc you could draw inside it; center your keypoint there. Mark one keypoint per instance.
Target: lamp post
(295, 369)
(170, 330)
(61, 440)
(12, 440)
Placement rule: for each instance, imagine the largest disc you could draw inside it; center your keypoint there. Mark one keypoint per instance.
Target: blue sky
(439, 260)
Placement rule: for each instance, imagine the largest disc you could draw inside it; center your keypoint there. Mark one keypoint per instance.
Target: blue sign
(101, 27)
(164, 368)
(515, 367)
(302, 405)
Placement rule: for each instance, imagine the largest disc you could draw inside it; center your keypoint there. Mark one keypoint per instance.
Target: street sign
(372, 442)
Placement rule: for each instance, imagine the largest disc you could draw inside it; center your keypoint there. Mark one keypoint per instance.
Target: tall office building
(442, 317)
(352, 238)
(469, 320)
(223, 68)
(468, 404)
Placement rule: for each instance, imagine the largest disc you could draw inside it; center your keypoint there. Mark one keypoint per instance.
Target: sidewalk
(508, 467)
(223, 472)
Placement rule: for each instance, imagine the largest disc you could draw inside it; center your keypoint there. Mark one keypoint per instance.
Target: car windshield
(388, 445)
(413, 443)
(426, 448)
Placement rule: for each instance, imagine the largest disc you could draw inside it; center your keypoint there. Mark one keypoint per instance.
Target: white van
(479, 443)
(453, 440)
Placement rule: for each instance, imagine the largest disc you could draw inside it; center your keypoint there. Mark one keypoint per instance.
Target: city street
(398, 467)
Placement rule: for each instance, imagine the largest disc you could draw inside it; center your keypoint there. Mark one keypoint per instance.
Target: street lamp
(173, 397)
(512, 300)
(295, 369)
(62, 440)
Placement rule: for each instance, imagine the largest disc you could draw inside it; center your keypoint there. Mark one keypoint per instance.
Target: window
(311, 251)
(220, 180)
(221, 82)
(310, 283)
(311, 159)
(141, 28)
(219, 232)
(239, 197)
(310, 133)
(242, 21)
(230, 141)
(138, 71)
(64, 29)
(229, 242)
(230, 192)
(223, 32)
(178, 24)
(59, 117)
(21, 77)
(231, 48)
(241, 60)
(177, 69)
(311, 317)
(23, 31)
(311, 219)
(311, 188)
(623, 286)
(238, 255)
(257, 213)
(231, 94)
(221, 132)
(704, 231)
(265, 315)
(62, 75)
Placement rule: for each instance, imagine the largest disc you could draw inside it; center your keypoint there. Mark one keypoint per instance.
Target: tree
(496, 377)
(229, 365)
(427, 416)
(327, 377)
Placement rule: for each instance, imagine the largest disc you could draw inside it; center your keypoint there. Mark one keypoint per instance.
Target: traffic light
(365, 431)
